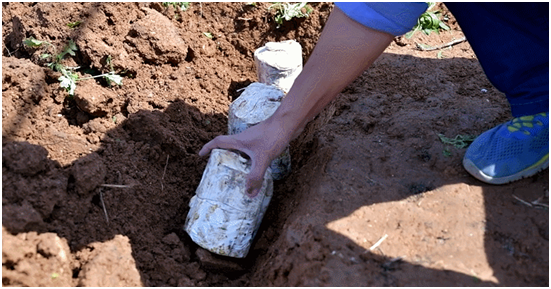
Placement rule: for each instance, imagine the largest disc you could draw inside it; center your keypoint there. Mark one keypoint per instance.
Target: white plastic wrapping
(279, 63)
(222, 217)
(257, 103)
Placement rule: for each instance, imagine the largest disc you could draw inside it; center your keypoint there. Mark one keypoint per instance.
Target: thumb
(220, 142)
(255, 178)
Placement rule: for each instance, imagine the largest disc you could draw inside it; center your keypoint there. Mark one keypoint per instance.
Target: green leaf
(73, 25)
(71, 48)
(56, 67)
(68, 82)
(208, 34)
(460, 141)
(444, 26)
(182, 5)
(112, 77)
(429, 21)
(32, 42)
(287, 11)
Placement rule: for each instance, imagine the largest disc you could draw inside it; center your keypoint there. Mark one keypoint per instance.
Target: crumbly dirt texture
(375, 198)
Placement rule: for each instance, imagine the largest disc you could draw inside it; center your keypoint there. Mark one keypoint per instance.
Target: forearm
(345, 49)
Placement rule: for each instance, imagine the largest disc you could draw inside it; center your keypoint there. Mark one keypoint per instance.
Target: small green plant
(460, 141)
(73, 25)
(68, 78)
(428, 22)
(288, 11)
(208, 34)
(440, 54)
(183, 6)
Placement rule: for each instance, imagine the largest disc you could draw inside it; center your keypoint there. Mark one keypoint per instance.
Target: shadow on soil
(154, 154)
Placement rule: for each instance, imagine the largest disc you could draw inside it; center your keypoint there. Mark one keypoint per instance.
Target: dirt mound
(96, 186)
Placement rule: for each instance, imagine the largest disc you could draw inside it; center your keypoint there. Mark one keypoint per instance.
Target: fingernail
(253, 193)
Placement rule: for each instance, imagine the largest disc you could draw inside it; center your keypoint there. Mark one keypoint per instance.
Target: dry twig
(536, 203)
(429, 48)
(115, 186)
(103, 205)
(378, 243)
(164, 172)
(522, 201)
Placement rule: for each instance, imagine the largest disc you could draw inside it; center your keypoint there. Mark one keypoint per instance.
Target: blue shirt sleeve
(395, 18)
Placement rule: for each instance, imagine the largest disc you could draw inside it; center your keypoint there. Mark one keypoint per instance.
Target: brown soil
(372, 165)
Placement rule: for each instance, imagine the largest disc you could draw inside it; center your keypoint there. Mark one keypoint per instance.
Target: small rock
(171, 239)
(184, 281)
(193, 270)
(89, 172)
(94, 99)
(94, 125)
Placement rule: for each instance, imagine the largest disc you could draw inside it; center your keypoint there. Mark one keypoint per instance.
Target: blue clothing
(393, 18)
(511, 41)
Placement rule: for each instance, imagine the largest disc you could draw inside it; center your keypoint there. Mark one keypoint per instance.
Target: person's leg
(511, 41)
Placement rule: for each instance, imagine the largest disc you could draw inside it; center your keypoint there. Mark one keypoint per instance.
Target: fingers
(205, 150)
(219, 142)
(255, 178)
(259, 162)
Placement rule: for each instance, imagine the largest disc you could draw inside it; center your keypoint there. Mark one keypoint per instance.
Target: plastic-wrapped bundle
(279, 63)
(257, 103)
(222, 217)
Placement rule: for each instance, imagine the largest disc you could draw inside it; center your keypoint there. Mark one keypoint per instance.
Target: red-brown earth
(370, 168)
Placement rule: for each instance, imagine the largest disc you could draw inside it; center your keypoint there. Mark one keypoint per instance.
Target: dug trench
(96, 187)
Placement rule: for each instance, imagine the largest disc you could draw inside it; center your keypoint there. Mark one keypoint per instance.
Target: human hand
(261, 143)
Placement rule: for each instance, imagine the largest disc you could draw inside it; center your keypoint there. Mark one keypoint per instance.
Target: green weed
(460, 141)
(73, 25)
(288, 11)
(429, 22)
(68, 78)
(183, 6)
(208, 34)
(32, 42)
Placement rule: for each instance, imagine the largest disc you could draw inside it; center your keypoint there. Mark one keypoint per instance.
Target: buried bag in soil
(222, 217)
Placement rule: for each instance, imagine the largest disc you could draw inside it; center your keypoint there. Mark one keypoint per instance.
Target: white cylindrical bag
(257, 103)
(279, 63)
(222, 218)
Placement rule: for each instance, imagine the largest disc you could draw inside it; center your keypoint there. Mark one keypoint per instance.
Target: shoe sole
(530, 171)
